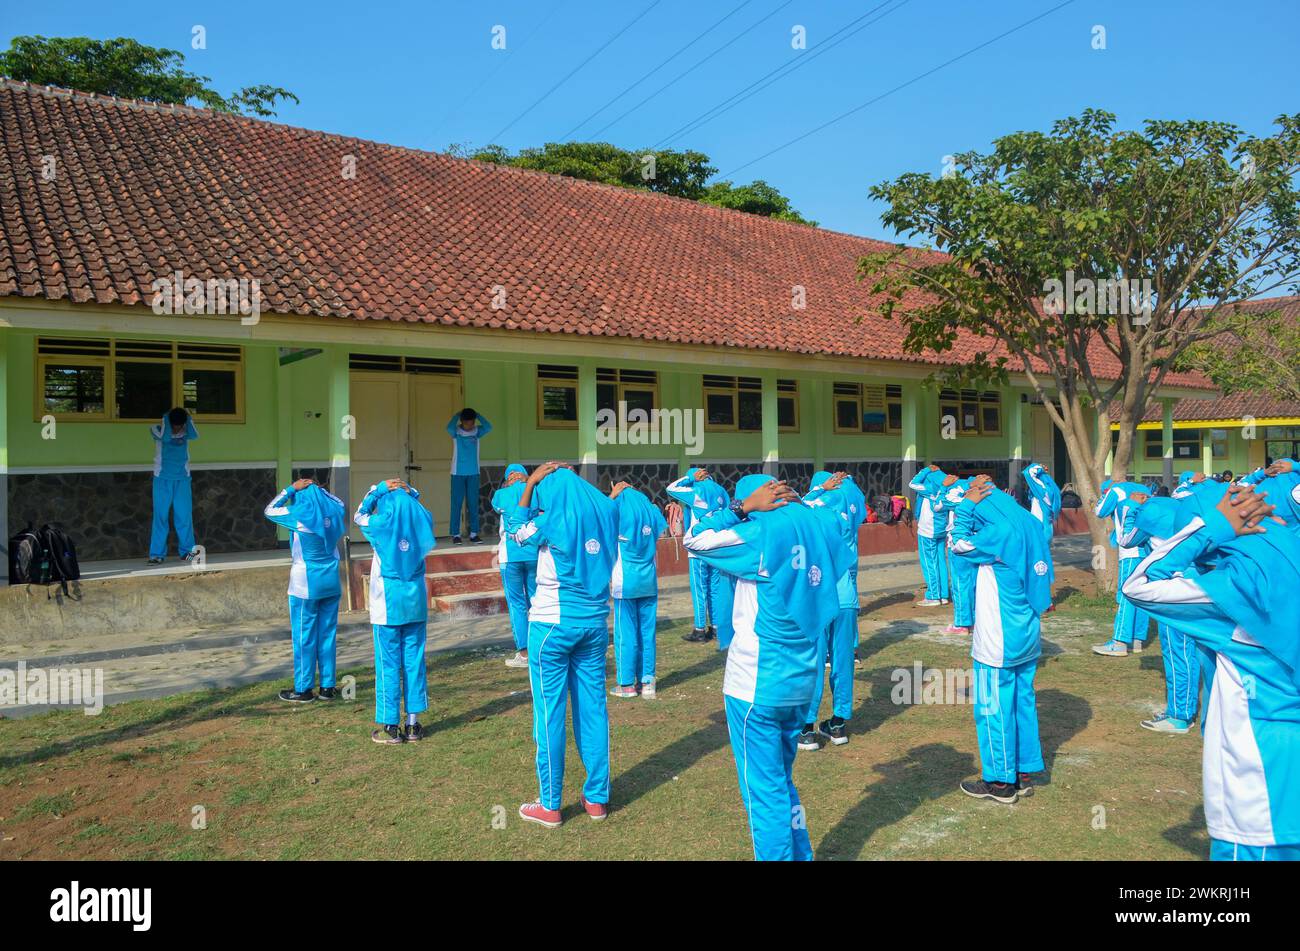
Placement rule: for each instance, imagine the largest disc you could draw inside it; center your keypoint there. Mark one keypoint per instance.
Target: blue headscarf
(709, 492)
(1024, 547)
(320, 513)
(1283, 492)
(1158, 517)
(582, 526)
(1043, 487)
(401, 532)
(640, 523)
(802, 557)
(1256, 580)
(846, 503)
(507, 497)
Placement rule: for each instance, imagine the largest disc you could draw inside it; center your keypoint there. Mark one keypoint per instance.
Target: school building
(385, 288)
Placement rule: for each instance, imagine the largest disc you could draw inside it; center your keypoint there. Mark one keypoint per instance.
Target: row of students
(1225, 574)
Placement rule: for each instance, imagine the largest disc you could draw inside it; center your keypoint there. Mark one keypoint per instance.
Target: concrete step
(460, 558)
(485, 580)
(473, 604)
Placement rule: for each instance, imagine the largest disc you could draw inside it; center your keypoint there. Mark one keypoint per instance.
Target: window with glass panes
(867, 407)
(977, 412)
(138, 380)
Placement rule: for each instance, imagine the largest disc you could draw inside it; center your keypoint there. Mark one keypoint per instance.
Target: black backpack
(883, 506)
(45, 556)
(27, 562)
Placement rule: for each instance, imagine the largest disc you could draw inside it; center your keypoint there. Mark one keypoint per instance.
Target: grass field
(280, 782)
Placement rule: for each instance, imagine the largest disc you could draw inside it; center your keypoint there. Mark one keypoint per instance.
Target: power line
(500, 66)
(689, 70)
(785, 69)
(628, 89)
(569, 75)
(900, 86)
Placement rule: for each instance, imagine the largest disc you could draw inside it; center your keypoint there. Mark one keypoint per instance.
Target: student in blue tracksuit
(786, 559)
(1148, 523)
(1130, 630)
(466, 428)
(518, 564)
(931, 535)
(1281, 483)
(711, 591)
(1044, 497)
(962, 574)
(1246, 611)
(171, 484)
(1006, 543)
(315, 520)
(840, 499)
(575, 532)
(400, 532)
(634, 586)
(1186, 481)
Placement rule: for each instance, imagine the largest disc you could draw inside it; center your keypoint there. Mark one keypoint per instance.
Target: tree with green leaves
(129, 70)
(684, 174)
(1060, 248)
(1257, 350)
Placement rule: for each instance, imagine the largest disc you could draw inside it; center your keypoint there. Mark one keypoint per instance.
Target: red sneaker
(597, 810)
(954, 629)
(536, 812)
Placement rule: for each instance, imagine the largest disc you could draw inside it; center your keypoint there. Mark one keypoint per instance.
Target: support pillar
(1166, 442)
(909, 438)
(587, 450)
(771, 428)
(342, 427)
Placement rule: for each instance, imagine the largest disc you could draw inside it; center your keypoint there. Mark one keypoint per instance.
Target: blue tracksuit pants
(934, 566)
(519, 582)
(1130, 620)
(1183, 669)
(634, 639)
(840, 637)
(464, 494)
(1223, 851)
(764, 741)
(174, 496)
(314, 624)
(712, 592)
(1006, 721)
(399, 670)
(568, 663)
(963, 592)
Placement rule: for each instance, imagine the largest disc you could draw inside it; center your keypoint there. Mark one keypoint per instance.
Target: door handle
(415, 468)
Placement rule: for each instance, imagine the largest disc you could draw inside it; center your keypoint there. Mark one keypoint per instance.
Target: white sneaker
(1111, 649)
(1137, 646)
(519, 660)
(928, 603)
(648, 690)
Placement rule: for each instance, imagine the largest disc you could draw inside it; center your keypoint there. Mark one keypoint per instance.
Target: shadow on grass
(933, 770)
(1191, 836)
(659, 768)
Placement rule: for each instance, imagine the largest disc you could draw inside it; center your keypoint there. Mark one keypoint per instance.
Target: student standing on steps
(466, 428)
(315, 520)
(172, 491)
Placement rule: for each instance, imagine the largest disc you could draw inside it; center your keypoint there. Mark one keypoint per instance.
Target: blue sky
(426, 74)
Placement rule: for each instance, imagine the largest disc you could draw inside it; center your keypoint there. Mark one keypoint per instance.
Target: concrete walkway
(157, 665)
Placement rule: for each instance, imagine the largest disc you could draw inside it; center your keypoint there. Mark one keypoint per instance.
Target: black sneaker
(293, 696)
(1025, 784)
(808, 738)
(710, 632)
(388, 735)
(697, 636)
(155, 561)
(857, 658)
(414, 732)
(475, 537)
(327, 693)
(998, 792)
(833, 729)
(455, 539)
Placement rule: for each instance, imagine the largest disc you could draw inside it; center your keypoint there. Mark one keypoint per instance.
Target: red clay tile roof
(1235, 407)
(142, 190)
